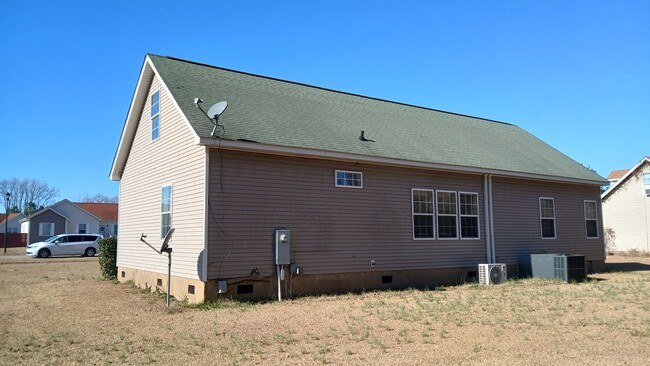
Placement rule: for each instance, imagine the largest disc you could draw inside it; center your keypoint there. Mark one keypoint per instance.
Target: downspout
(488, 218)
(492, 242)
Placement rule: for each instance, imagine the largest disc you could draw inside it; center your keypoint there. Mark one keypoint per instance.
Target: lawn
(60, 312)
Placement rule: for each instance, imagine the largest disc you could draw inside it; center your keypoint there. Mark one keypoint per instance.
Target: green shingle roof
(288, 114)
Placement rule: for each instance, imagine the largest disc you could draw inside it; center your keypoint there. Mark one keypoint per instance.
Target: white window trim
(171, 209)
(460, 215)
(447, 215)
(646, 188)
(433, 197)
(40, 229)
(151, 118)
(541, 229)
(584, 205)
(79, 227)
(336, 182)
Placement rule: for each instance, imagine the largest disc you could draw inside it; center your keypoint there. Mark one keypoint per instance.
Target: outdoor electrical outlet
(372, 263)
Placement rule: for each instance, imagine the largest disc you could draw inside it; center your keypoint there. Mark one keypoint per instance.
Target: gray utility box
(283, 246)
(566, 267)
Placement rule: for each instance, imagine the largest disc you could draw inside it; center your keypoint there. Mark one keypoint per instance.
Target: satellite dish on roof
(215, 111)
(165, 244)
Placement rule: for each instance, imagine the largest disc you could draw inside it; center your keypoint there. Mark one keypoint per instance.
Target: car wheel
(44, 253)
(90, 252)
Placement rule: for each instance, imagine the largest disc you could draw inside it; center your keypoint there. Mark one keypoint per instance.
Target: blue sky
(574, 73)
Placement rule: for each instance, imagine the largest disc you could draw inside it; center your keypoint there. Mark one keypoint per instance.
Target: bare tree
(98, 198)
(27, 194)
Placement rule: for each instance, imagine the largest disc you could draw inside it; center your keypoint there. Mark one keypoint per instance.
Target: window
(646, 183)
(469, 226)
(46, 229)
(81, 228)
(348, 179)
(11, 230)
(165, 211)
(547, 217)
(155, 115)
(591, 219)
(447, 211)
(422, 201)
(115, 229)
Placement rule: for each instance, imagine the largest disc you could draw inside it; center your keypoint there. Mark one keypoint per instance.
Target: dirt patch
(62, 313)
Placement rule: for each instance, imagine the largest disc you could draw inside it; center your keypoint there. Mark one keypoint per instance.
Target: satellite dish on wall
(215, 111)
(165, 244)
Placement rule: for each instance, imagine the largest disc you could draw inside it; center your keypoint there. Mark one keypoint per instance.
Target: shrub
(108, 257)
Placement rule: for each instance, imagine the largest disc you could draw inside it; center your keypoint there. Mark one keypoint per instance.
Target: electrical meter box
(283, 246)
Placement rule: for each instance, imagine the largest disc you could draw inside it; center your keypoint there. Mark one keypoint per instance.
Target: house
(65, 217)
(375, 194)
(13, 224)
(106, 213)
(626, 209)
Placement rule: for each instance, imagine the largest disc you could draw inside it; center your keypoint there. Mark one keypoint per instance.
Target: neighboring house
(13, 224)
(107, 214)
(63, 217)
(616, 175)
(377, 194)
(626, 209)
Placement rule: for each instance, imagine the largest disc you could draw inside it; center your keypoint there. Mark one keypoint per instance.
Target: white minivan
(65, 245)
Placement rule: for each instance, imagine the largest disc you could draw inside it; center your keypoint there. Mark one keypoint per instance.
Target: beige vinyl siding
(334, 229)
(174, 160)
(517, 227)
(627, 212)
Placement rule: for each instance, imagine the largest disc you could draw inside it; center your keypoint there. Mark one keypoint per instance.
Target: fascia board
(332, 155)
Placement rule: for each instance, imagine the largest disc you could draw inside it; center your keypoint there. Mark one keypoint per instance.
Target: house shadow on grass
(626, 267)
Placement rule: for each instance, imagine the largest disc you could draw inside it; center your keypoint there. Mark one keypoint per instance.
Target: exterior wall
(174, 160)
(150, 280)
(517, 227)
(334, 230)
(45, 216)
(77, 216)
(109, 228)
(626, 212)
(13, 223)
(346, 282)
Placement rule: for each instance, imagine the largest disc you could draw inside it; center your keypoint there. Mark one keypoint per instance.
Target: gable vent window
(646, 183)
(547, 217)
(155, 115)
(349, 179)
(591, 219)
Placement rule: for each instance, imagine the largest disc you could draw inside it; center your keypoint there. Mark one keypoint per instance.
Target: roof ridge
(333, 90)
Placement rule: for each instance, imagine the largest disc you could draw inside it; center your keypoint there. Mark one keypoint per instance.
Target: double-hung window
(547, 217)
(591, 219)
(646, 183)
(81, 229)
(165, 211)
(447, 214)
(422, 200)
(46, 229)
(155, 115)
(469, 226)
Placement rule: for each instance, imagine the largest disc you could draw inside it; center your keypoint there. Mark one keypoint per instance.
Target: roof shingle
(288, 114)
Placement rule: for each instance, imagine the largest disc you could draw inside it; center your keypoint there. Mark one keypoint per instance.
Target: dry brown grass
(62, 313)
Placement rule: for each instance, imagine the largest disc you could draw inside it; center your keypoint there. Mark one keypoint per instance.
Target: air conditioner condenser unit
(492, 273)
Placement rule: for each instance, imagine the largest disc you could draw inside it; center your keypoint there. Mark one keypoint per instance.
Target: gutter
(350, 157)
